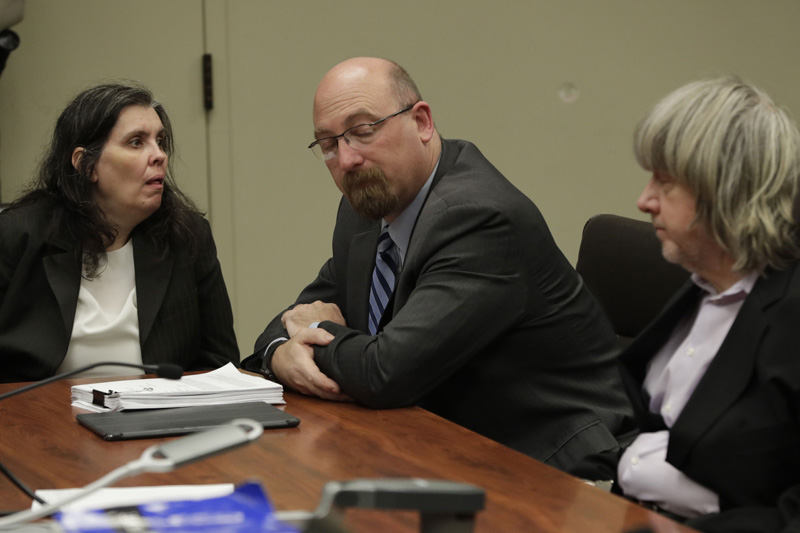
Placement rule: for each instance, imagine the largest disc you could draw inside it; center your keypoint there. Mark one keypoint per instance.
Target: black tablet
(121, 425)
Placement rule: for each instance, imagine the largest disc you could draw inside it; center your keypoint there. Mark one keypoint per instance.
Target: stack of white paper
(221, 386)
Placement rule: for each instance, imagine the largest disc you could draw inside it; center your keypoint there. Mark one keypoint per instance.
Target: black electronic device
(148, 423)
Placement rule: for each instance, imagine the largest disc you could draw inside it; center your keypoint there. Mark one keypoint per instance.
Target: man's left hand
(294, 366)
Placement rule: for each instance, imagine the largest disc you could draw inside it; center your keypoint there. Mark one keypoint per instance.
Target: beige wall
(492, 72)
(69, 46)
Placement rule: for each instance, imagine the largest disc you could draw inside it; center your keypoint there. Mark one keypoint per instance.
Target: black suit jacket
(489, 325)
(739, 433)
(184, 312)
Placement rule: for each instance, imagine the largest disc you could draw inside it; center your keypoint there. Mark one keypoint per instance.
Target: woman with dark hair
(104, 258)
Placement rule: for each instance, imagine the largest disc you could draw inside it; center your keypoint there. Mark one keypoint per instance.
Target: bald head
(379, 76)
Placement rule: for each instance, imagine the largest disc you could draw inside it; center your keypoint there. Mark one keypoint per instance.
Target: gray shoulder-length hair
(739, 153)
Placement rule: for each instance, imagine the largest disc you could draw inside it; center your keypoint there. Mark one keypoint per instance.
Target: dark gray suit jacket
(184, 312)
(489, 327)
(739, 434)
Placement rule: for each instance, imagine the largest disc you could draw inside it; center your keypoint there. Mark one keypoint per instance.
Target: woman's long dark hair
(87, 122)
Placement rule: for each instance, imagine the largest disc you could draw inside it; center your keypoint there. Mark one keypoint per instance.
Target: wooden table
(43, 444)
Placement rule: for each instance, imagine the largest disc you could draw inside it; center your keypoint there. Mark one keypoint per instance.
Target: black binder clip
(99, 397)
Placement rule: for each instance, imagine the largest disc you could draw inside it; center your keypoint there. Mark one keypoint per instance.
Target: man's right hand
(293, 364)
(299, 317)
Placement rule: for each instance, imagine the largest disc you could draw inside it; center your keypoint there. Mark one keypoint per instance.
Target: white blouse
(106, 326)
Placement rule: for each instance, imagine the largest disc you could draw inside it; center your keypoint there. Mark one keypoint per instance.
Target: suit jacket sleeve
(460, 289)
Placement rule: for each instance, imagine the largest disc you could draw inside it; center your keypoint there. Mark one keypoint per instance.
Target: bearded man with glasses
(445, 289)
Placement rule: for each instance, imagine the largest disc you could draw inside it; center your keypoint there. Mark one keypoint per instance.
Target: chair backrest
(621, 263)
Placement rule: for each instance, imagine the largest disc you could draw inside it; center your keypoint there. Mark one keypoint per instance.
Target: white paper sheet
(131, 496)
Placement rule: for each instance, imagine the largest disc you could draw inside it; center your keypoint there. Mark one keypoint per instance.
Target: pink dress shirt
(672, 376)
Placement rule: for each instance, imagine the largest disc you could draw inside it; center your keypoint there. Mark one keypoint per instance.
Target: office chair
(621, 263)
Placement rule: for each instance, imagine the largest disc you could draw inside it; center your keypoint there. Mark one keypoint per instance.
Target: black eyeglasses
(356, 137)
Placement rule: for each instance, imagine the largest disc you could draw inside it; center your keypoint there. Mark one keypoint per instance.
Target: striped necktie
(383, 278)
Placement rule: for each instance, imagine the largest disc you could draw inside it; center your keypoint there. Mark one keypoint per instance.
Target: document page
(129, 496)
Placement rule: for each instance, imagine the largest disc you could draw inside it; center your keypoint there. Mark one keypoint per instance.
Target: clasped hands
(293, 362)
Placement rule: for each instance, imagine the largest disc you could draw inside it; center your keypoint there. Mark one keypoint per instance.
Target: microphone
(163, 370)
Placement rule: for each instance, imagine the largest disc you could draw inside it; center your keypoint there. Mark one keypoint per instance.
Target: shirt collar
(743, 287)
(400, 229)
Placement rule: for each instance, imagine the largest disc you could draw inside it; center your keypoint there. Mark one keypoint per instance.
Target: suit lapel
(152, 279)
(363, 248)
(635, 359)
(730, 370)
(405, 284)
(63, 271)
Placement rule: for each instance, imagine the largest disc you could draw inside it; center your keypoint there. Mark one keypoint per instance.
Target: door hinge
(208, 83)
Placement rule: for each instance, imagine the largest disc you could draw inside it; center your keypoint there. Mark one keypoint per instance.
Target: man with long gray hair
(715, 379)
